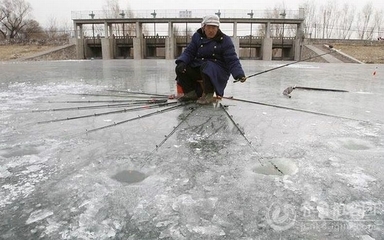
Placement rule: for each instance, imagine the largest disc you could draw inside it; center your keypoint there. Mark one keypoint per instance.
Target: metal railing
(185, 13)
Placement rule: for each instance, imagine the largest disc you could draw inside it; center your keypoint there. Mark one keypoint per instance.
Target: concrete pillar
(79, 40)
(112, 42)
(80, 54)
(235, 39)
(235, 29)
(106, 48)
(107, 43)
(297, 47)
(298, 41)
(106, 32)
(76, 33)
(170, 43)
(267, 44)
(138, 42)
(110, 30)
(236, 43)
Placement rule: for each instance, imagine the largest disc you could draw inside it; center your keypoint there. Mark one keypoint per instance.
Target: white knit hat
(211, 20)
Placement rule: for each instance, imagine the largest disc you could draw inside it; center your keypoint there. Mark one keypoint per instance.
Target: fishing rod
(112, 112)
(246, 139)
(174, 129)
(138, 92)
(114, 95)
(320, 89)
(139, 117)
(108, 101)
(281, 66)
(102, 106)
(288, 90)
(292, 109)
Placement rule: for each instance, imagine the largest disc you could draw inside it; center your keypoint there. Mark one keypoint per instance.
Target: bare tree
(330, 21)
(363, 20)
(379, 19)
(330, 18)
(311, 21)
(32, 30)
(129, 29)
(111, 9)
(51, 30)
(346, 20)
(375, 24)
(277, 12)
(14, 16)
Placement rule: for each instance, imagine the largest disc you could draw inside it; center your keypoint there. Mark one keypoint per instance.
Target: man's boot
(206, 99)
(189, 96)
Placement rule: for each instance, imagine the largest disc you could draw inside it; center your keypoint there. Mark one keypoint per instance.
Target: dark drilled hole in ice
(129, 176)
(277, 166)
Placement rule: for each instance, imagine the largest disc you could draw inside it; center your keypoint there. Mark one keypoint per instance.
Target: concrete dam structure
(115, 42)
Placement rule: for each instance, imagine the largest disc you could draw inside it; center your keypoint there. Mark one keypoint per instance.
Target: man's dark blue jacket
(217, 56)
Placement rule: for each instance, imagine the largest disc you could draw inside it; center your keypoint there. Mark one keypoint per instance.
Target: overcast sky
(46, 10)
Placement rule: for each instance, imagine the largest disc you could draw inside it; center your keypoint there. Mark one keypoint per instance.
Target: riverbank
(373, 54)
(368, 54)
(18, 51)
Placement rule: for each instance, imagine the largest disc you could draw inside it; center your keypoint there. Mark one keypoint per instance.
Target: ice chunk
(4, 173)
(366, 237)
(210, 230)
(38, 216)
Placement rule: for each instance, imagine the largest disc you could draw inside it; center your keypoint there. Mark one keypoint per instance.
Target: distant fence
(344, 41)
(183, 13)
(42, 41)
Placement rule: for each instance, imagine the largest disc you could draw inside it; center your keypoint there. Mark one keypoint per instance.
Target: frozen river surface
(306, 167)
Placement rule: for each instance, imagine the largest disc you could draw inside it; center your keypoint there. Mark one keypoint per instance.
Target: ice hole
(129, 176)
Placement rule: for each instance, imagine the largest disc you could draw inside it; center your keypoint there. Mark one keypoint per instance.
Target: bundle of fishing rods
(136, 101)
(120, 101)
(133, 101)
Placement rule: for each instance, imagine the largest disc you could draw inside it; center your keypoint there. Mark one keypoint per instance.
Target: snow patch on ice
(38, 215)
(4, 173)
(21, 96)
(52, 226)
(353, 144)
(366, 237)
(10, 193)
(206, 230)
(357, 179)
(28, 170)
(88, 226)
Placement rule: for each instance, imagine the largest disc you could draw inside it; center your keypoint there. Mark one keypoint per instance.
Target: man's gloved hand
(241, 78)
(181, 67)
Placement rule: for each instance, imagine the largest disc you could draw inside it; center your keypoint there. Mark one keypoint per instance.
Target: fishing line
(145, 107)
(175, 128)
(293, 109)
(248, 141)
(138, 117)
(281, 66)
(117, 105)
(138, 93)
